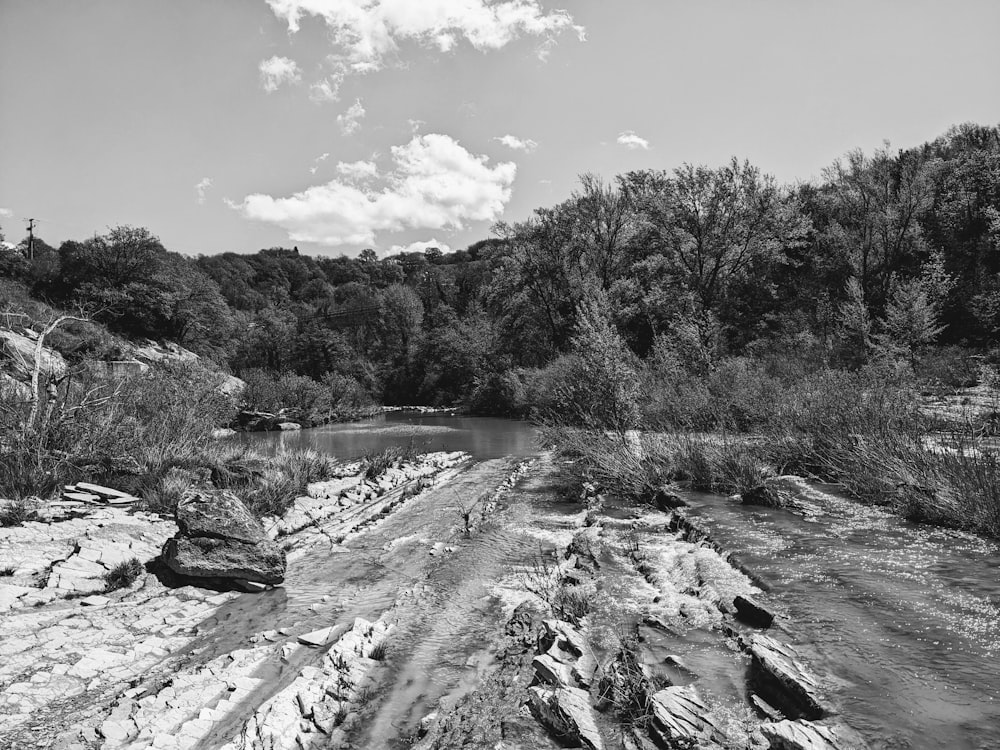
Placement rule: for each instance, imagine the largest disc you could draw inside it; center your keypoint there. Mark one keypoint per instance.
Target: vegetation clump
(16, 512)
(123, 575)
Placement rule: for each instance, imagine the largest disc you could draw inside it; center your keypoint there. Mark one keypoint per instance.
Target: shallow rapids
(905, 618)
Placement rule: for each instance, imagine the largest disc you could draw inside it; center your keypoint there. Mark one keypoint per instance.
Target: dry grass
(123, 575)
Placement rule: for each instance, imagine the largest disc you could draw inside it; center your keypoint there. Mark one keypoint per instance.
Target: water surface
(902, 619)
(482, 437)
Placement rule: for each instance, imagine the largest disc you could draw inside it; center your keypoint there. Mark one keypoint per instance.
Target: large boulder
(219, 538)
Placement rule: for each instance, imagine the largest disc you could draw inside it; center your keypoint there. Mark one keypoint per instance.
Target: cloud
(415, 125)
(419, 247)
(276, 71)
(368, 33)
(358, 170)
(434, 183)
(350, 121)
(201, 188)
(317, 161)
(629, 139)
(5, 213)
(513, 142)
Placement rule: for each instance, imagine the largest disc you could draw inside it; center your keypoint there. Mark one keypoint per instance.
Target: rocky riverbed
(444, 604)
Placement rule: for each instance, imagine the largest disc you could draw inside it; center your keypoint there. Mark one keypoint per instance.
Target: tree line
(891, 254)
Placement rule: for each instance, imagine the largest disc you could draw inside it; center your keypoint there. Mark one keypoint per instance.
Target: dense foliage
(889, 255)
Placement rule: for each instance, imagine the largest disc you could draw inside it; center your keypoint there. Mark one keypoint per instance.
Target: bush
(595, 386)
(375, 464)
(500, 394)
(16, 512)
(947, 368)
(123, 575)
(268, 485)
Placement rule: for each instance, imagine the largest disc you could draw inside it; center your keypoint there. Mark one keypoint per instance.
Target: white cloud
(358, 170)
(317, 161)
(415, 125)
(327, 90)
(434, 184)
(201, 188)
(5, 213)
(629, 139)
(419, 247)
(517, 144)
(367, 33)
(350, 121)
(276, 71)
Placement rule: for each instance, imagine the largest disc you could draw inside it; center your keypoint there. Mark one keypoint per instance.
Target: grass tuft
(123, 575)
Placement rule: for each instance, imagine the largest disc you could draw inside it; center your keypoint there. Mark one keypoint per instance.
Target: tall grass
(862, 429)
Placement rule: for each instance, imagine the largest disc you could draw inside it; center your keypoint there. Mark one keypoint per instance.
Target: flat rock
(805, 735)
(782, 680)
(101, 490)
(95, 601)
(83, 497)
(679, 715)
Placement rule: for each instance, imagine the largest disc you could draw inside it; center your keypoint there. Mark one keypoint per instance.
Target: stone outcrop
(219, 538)
(320, 705)
(19, 351)
(778, 674)
(806, 735)
(680, 716)
(564, 657)
(752, 612)
(566, 712)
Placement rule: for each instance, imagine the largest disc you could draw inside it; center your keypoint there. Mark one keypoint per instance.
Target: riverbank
(458, 603)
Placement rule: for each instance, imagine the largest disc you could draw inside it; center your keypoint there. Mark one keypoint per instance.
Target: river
(481, 437)
(903, 620)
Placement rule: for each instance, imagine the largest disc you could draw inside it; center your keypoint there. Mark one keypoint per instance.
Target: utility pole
(31, 239)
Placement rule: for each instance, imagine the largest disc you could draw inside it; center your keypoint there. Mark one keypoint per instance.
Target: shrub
(597, 385)
(268, 485)
(111, 431)
(947, 368)
(16, 512)
(500, 394)
(375, 464)
(611, 461)
(123, 575)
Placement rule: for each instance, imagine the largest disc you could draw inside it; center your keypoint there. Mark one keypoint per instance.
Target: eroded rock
(806, 735)
(752, 612)
(567, 713)
(219, 538)
(783, 680)
(679, 715)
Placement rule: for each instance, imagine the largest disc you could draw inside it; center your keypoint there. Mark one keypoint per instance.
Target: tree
(911, 318)
(875, 204)
(605, 226)
(714, 224)
(855, 322)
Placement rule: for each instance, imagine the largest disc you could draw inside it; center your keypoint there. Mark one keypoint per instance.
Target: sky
(336, 125)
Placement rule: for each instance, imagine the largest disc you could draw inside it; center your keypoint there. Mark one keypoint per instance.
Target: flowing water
(903, 619)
